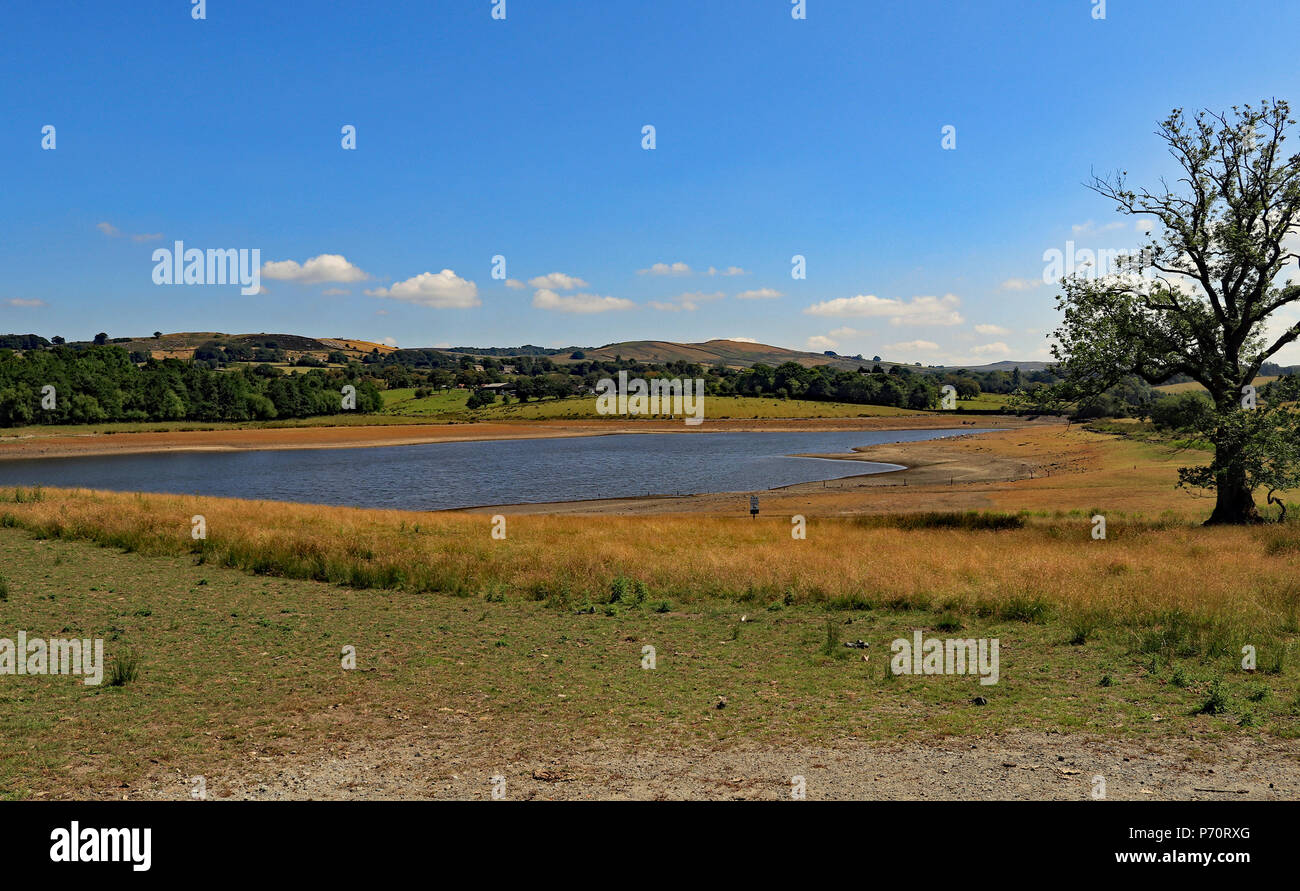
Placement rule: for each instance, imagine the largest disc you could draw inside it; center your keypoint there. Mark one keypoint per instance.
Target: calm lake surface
(437, 476)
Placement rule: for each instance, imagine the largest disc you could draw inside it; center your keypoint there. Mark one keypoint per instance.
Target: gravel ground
(1021, 765)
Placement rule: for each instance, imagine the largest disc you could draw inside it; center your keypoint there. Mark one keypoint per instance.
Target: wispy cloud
(912, 346)
(759, 294)
(1091, 228)
(730, 270)
(557, 281)
(991, 330)
(19, 301)
(113, 232)
(666, 269)
(584, 304)
(688, 302)
(1022, 284)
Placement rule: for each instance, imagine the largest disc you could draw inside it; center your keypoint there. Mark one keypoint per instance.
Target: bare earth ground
(1018, 765)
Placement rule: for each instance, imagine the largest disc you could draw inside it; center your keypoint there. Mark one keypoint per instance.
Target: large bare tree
(1201, 299)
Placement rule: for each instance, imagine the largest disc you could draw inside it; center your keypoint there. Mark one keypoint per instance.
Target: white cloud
(991, 329)
(992, 349)
(335, 292)
(913, 346)
(1144, 225)
(19, 301)
(557, 281)
(666, 269)
(388, 341)
(445, 290)
(917, 311)
(730, 270)
(739, 339)
(688, 302)
(317, 270)
(515, 283)
(759, 294)
(579, 303)
(819, 343)
(1022, 284)
(845, 332)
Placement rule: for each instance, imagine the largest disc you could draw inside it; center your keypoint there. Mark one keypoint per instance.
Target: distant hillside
(1001, 366)
(731, 353)
(182, 345)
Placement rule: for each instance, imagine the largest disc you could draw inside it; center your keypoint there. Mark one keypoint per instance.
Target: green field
(1193, 386)
(451, 404)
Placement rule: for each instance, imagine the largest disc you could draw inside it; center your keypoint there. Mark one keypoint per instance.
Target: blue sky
(522, 138)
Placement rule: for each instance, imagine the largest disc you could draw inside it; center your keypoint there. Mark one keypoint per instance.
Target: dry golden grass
(1144, 568)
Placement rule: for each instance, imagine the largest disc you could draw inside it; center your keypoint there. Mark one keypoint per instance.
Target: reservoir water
(437, 476)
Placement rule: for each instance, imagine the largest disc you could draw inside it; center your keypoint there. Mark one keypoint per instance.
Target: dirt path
(1017, 765)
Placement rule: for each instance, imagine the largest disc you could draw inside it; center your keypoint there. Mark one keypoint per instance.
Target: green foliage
(101, 383)
(1182, 411)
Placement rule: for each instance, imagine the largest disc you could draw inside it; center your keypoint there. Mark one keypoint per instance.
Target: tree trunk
(1234, 503)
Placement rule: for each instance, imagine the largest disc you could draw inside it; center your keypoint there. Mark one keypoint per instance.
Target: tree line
(102, 383)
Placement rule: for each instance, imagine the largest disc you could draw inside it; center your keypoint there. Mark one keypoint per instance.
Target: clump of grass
(850, 602)
(906, 603)
(1258, 693)
(1082, 628)
(4, 589)
(1180, 678)
(628, 592)
(1033, 610)
(662, 606)
(949, 621)
(1218, 701)
(1274, 658)
(831, 644)
(125, 668)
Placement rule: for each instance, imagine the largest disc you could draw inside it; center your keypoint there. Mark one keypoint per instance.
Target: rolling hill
(732, 353)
